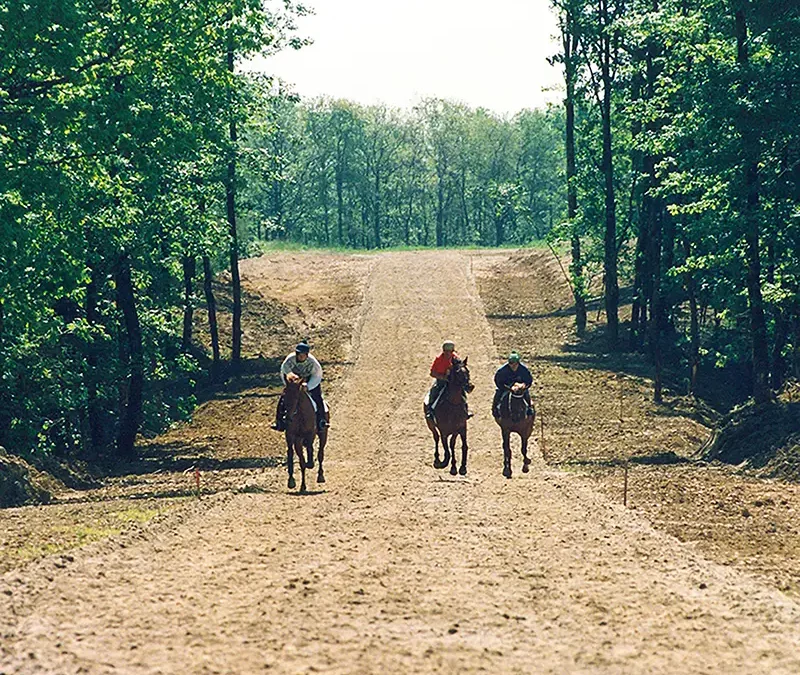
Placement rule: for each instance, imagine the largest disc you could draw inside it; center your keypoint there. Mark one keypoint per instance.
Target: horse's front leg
(526, 462)
(506, 453)
(301, 460)
(310, 449)
(453, 439)
(463, 469)
(323, 441)
(290, 463)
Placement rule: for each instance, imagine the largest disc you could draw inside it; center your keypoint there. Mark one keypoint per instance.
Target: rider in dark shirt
(511, 373)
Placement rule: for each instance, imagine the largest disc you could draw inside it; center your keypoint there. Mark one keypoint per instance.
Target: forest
(140, 160)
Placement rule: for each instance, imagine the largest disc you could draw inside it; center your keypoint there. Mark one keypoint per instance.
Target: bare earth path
(398, 567)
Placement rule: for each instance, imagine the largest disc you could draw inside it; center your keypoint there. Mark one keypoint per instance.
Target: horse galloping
(450, 417)
(301, 429)
(514, 419)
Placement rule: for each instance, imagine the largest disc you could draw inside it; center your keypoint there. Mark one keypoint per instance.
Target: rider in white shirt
(305, 366)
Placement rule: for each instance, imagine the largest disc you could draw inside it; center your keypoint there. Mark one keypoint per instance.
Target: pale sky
(488, 53)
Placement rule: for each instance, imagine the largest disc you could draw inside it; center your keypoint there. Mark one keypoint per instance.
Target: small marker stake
(625, 488)
(197, 480)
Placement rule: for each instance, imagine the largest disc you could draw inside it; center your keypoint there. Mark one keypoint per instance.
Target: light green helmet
(513, 357)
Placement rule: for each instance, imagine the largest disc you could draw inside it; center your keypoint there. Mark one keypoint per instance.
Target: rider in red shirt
(440, 371)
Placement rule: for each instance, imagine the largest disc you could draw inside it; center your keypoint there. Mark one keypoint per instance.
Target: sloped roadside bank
(735, 519)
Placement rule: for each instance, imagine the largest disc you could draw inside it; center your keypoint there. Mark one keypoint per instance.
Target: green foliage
(113, 136)
(333, 173)
(706, 157)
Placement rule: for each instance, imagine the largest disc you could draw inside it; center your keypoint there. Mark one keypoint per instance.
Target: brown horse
(301, 429)
(450, 419)
(514, 419)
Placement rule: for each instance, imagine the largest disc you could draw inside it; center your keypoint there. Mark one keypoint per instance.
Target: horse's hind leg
(453, 470)
(323, 441)
(290, 464)
(463, 469)
(437, 462)
(526, 462)
(506, 453)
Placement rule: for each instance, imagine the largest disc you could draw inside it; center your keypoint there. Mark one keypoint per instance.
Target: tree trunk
(340, 199)
(611, 282)
(189, 269)
(440, 212)
(211, 305)
(570, 40)
(94, 408)
(694, 319)
(131, 413)
(376, 215)
(751, 215)
(230, 201)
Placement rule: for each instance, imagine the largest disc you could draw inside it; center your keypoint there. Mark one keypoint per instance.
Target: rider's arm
(286, 367)
(499, 380)
(316, 373)
(527, 378)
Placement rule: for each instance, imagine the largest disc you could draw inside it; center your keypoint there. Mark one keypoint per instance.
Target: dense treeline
(118, 129)
(441, 174)
(683, 159)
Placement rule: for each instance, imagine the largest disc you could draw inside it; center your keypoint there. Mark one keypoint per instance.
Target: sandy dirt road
(397, 567)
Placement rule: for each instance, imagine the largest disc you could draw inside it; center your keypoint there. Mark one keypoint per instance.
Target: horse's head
(459, 375)
(291, 393)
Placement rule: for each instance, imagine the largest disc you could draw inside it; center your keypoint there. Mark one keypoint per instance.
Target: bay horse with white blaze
(515, 420)
(450, 418)
(301, 429)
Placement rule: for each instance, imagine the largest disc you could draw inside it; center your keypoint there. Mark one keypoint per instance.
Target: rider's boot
(428, 412)
(529, 411)
(322, 422)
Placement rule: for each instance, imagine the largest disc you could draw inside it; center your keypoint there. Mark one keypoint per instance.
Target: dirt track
(397, 566)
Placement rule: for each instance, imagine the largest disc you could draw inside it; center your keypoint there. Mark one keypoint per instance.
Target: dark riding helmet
(302, 348)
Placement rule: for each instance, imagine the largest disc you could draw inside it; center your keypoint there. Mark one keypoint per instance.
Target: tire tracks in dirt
(395, 566)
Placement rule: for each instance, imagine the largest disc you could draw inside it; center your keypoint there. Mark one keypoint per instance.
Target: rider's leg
(316, 395)
(280, 416)
(529, 411)
(498, 394)
(433, 397)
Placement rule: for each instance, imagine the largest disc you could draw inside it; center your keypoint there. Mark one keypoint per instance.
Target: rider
(303, 364)
(509, 374)
(440, 371)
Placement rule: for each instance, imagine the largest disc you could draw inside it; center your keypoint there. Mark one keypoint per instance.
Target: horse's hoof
(453, 471)
(292, 483)
(507, 472)
(463, 471)
(320, 478)
(310, 464)
(438, 464)
(526, 467)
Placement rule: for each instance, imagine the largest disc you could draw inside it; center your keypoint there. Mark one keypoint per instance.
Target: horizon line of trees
(335, 173)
